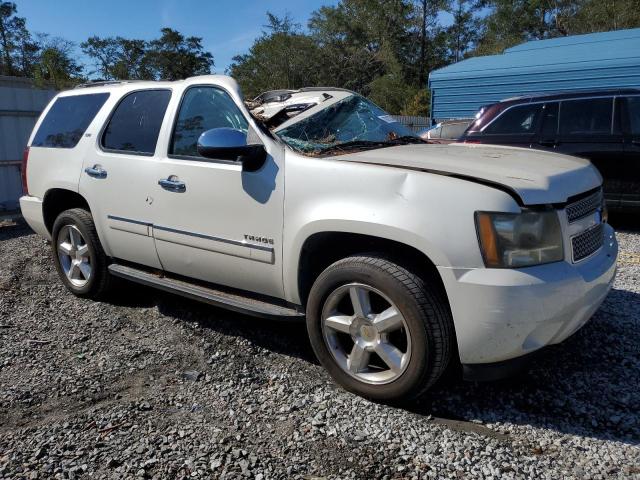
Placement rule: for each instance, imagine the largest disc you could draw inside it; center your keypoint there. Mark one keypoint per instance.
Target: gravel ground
(156, 386)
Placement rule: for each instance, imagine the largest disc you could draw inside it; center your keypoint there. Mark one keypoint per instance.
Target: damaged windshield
(353, 123)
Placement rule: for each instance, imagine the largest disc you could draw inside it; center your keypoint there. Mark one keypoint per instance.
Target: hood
(535, 177)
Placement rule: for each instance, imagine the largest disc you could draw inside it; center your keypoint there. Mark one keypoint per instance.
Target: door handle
(173, 184)
(635, 142)
(96, 171)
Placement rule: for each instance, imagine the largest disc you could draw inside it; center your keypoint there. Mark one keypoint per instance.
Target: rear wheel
(78, 254)
(380, 330)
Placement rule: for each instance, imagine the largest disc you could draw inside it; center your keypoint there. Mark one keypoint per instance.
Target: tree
(430, 37)
(587, 16)
(363, 39)
(18, 51)
(464, 31)
(118, 58)
(282, 57)
(510, 22)
(419, 104)
(56, 66)
(369, 46)
(170, 57)
(174, 56)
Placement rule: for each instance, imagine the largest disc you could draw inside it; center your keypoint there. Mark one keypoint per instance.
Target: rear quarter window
(67, 120)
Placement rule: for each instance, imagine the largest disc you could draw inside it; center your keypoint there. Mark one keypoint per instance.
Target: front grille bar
(584, 207)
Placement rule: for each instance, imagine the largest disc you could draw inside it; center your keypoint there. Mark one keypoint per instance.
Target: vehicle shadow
(282, 337)
(586, 386)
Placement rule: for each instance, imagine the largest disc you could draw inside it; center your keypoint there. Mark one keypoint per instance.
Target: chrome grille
(587, 242)
(585, 206)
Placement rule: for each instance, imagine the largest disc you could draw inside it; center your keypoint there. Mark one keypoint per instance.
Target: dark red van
(602, 126)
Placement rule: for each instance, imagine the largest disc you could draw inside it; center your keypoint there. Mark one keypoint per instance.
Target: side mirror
(230, 144)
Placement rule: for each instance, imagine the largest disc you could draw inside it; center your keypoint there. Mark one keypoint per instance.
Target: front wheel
(379, 330)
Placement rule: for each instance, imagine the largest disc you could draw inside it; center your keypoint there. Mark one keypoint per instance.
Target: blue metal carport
(579, 62)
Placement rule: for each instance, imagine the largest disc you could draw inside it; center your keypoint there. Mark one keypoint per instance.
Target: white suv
(405, 258)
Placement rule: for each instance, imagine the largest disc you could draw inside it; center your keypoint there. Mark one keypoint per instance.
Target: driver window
(202, 109)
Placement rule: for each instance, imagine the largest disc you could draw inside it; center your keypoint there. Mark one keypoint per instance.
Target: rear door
(630, 186)
(119, 178)
(588, 129)
(516, 126)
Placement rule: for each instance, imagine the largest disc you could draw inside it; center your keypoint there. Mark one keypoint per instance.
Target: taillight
(23, 171)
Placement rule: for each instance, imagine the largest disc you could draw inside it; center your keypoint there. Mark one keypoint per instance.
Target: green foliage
(53, 61)
(510, 22)
(351, 45)
(589, 16)
(281, 57)
(55, 65)
(174, 56)
(170, 57)
(419, 104)
(390, 92)
(118, 58)
(465, 29)
(18, 50)
(383, 49)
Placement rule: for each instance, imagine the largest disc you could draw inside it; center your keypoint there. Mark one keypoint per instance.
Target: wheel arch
(321, 249)
(56, 201)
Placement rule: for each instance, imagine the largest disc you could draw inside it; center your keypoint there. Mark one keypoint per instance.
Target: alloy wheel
(74, 255)
(366, 333)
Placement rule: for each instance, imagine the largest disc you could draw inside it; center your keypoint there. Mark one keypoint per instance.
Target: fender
(405, 237)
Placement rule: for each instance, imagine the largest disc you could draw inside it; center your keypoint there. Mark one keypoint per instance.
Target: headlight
(512, 240)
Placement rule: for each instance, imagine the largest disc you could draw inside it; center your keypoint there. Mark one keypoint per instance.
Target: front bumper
(501, 314)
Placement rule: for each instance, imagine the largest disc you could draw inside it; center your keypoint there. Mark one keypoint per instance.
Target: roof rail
(604, 91)
(100, 83)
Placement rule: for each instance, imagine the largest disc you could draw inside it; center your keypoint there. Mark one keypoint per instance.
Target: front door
(515, 127)
(214, 221)
(119, 176)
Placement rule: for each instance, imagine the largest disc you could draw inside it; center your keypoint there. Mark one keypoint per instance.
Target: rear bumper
(502, 314)
(31, 208)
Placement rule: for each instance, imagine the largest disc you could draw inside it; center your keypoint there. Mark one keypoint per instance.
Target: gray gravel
(155, 386)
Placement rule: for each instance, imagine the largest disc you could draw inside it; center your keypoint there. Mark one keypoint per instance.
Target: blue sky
(227, 27)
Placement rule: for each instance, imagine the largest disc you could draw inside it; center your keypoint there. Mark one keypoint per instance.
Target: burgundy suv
(602, 126)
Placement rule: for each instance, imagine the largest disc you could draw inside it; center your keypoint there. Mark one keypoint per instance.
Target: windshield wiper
(405, 140)
(366, 144)
(352, 145)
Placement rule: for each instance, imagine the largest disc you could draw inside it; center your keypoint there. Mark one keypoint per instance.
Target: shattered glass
(353, 123)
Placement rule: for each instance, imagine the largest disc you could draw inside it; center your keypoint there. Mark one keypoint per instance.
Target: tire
(98, 282)
(339, 333)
